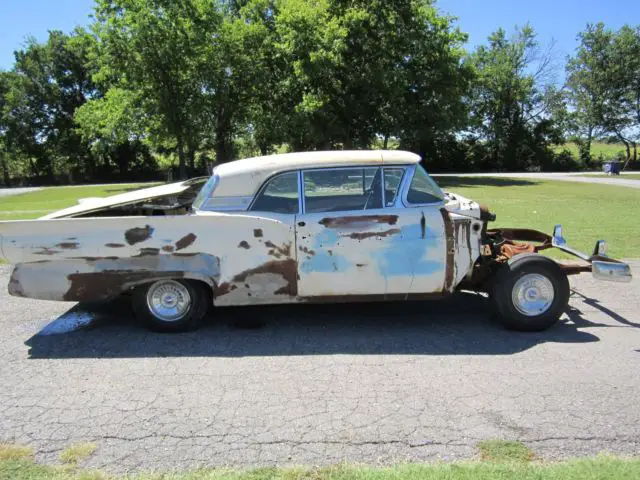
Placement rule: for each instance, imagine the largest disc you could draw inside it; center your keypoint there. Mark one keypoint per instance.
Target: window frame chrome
(397, 202)
(264, 186)
(327, 169)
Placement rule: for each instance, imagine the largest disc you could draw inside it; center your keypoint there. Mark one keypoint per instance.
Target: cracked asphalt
(323, 384)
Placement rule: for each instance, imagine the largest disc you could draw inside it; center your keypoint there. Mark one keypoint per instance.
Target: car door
(355, 238)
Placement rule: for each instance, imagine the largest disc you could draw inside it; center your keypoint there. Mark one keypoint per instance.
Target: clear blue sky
(20, 19)
(558, 19)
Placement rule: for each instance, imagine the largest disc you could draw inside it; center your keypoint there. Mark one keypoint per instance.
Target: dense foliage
(153, 85)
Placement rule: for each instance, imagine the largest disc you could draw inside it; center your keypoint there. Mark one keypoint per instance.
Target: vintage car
(304, 227)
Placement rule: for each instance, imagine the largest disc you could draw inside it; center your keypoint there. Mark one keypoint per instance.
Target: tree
(588, 84)
(4, 162)
(604, 86)
(512, 99)
(621, 115)
(48, 83)
(158, 49)
(358, 70)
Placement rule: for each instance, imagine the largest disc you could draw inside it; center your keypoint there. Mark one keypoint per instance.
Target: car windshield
(205, 192)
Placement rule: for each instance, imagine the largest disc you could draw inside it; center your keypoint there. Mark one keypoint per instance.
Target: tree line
(151, 85)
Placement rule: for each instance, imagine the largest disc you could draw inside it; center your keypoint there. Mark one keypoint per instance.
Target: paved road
(581, 177)
(7, 192)
(324, 384)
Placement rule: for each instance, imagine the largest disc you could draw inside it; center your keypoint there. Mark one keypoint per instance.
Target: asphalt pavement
(318, 385)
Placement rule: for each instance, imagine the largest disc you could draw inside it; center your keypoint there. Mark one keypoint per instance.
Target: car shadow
(460, 325)
(471, 182)
(577, 316)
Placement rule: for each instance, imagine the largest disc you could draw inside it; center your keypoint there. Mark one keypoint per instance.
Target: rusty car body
(305, 227)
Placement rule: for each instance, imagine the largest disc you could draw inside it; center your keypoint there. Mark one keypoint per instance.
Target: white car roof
(245, 177)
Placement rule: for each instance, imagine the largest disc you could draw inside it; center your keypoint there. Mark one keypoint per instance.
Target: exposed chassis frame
(598, 263)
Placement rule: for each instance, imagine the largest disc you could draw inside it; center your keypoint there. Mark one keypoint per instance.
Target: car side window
(342, 189)
(279, 195)
(423, 189)
(392, 180)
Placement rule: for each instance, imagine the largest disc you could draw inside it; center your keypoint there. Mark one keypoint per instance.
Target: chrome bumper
(602, 267)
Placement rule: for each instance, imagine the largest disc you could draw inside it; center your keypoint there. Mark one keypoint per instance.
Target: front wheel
(171, 305)
(530, 293)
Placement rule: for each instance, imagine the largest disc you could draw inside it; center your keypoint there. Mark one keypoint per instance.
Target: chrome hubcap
(168, 300)
(532, 294)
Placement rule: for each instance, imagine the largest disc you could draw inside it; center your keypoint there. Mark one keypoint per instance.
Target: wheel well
(206, 286)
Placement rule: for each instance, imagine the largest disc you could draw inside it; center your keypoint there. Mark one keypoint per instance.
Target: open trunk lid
(170, 199)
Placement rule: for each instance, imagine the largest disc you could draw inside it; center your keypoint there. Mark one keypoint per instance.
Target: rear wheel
(171, 305)
(530, 293)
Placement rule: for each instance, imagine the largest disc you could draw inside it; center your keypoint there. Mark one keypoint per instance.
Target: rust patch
(423, 226)
(138, 234)
(148, 252)
(308, 251)
(244, 244)
(94, 286)
(574, 267)
(257, 233)
(521, 234)
(47, 251)
(288, 269)
(363, 235)
(448, 231)
(283, 251)
(185, 241)
(510, 249)
(221, 290)
(168, 248)
(15, 287)
(114, 245)
(339, 222)
(68, 245)
(95, 259)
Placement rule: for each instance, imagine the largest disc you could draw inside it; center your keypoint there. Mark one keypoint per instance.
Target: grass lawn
(37, 204)
(607, 151)
(588, 212)
(501, 461)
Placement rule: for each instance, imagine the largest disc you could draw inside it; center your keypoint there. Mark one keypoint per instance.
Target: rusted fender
(464, 238)
(245, 259)
(78, 280)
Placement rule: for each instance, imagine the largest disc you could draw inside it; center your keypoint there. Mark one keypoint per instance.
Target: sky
(560, 20)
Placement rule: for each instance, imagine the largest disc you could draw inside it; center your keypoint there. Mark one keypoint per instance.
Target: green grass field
(606, 151)
(37, 204)
(588, 212)
(501, 460)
